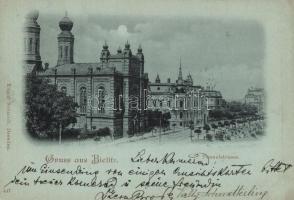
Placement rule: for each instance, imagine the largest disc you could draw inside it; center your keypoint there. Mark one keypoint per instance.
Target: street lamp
(60, 129)
(134, 126)
(160, 116)
(191, 126)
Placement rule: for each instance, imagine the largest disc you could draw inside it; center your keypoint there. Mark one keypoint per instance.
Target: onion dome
(33, 15)
(31, 19)
(119, 50)
(127, 45)
(140, 50)
(105, 52)
(140, 54)
(105, 46)
(127, 51)
(65, 23)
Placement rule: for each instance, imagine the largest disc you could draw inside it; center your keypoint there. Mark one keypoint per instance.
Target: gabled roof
(80, 69)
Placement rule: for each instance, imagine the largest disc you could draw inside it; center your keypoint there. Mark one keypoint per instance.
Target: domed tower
(127, 51)
(119, 51)
(32, 42)
(140, 54)
(105, 53)
(65, 42)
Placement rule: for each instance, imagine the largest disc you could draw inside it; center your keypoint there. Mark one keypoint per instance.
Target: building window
(168, 103)
(83, 100)
(37, 47)
(181, 104)
(158, 88)
(101, 99)
(60, 51)
(160, 103)
(181, 115)
(154, 103)
(30, 44)
(66, 52)
(63, 89)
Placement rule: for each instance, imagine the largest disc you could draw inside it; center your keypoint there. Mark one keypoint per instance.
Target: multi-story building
(105, 90)
(214, 98)
(183, 100)
(255, 96)
(114, 92)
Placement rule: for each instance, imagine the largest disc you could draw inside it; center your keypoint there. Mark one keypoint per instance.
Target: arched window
(83, 100)
(154, 102)
(101, 99)
(30, 45)
(66, 52)
(37, 46)
(168, 103)
(63, 89)
(60, 51)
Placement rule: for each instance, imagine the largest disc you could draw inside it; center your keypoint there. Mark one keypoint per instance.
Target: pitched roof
(81, 69)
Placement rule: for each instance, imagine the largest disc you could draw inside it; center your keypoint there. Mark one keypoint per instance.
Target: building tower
(104, 53)
(180, 77)
(119, 51)
(32, 43)
(180, 72)
(157, 80)
(189, 79)
(127, 51)
(65, 42)
(140, 55)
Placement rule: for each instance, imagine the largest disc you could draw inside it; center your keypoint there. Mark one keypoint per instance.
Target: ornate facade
(103, 90)
(32, 30)
(183, 100)
(114, 92)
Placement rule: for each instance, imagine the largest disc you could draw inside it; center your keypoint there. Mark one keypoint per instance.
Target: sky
(227, 54)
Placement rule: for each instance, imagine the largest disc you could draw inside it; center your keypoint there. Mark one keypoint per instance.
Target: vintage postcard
(147, 100)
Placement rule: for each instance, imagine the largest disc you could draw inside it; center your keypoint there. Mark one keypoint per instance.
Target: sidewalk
(147, 135)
